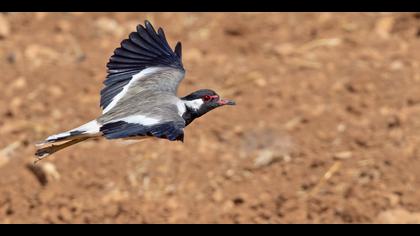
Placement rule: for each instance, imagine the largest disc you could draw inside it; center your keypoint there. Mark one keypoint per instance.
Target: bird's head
(204, 100)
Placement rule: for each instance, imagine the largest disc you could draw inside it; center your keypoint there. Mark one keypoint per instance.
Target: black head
(202, 101)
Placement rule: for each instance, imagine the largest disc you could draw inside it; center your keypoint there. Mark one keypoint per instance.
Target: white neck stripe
(194, 104)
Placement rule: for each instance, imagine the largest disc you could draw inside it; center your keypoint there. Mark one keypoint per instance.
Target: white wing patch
(90, 127)
(139, 119)
(181, 108)
(135, 77)
(194, 104)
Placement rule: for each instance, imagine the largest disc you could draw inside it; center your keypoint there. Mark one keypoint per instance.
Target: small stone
(56, 91)
(19, 83)
(4, 27)
(16, 103)
(385, 111)
(266, 158)
(238, 130)
(293, 123)
(343, 155)
(327, 42)
(341, 127)
(11, 58)
(56, 114)
(227, 206)
(65, 214)
(193, 54)
(261, 82)
(203, 33)
(397, 65)
(38, 54)
(63, 26)
(115, 195)
(3, 160)
(40, 15)
(257, 78)
(285, 49)
(287, 158)
(230, 173)
(394, 199)
(239, 200)
(384, 26)
(108, 26)
(170, 189)
(318, 110)
(172, 204)
(349, 27)
(111, 210)
(264, 197)
(50, 171)
(217, 196)
(398, 216)
(6, 152)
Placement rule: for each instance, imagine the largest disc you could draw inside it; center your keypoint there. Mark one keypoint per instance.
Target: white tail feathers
(90, 129)
(81, 133)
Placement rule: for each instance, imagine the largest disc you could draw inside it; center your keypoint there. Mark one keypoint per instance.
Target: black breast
(189, 115)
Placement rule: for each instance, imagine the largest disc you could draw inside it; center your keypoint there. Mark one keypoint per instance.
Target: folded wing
(172, 130)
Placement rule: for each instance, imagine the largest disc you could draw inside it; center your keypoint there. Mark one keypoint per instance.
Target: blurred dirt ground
(326, 129)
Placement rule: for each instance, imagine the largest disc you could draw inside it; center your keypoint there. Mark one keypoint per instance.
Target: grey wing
(145, 61)
(151, 95)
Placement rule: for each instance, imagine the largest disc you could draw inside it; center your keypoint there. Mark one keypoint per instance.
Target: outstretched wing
(144, 53)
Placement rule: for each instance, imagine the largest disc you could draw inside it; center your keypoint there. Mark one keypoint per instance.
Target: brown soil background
(326, 129)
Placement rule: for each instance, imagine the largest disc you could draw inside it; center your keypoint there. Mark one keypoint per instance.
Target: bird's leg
(45, 152)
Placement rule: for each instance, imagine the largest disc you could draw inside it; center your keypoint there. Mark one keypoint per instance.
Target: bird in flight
(139, 97)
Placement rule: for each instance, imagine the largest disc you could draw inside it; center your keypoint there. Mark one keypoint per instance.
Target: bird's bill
(222, 102)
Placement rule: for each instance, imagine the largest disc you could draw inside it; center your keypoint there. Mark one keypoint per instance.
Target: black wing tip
(178, 49)
(160, 31)
(147, 22)
(139, 28)
(180, 137)
(148, 25)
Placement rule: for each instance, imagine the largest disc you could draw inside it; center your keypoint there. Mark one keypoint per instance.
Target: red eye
(206, 98)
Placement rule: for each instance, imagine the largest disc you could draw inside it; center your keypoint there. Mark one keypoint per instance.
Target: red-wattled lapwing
(139, 98)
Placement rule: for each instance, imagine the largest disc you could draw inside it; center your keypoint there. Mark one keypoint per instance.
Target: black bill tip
(226, 102)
